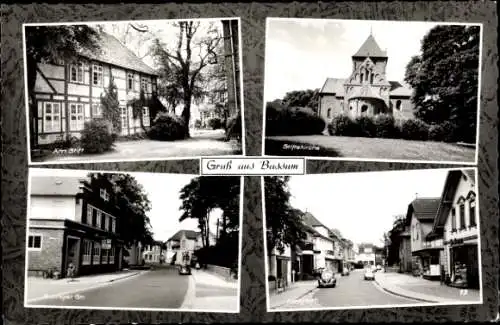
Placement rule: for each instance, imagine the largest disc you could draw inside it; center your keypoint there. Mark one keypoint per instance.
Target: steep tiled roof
(424, 209)
(54, 185)
(190, 234)
(470, 174)
(370, 48)
(311, 220)
(336, 86)
(114, 52)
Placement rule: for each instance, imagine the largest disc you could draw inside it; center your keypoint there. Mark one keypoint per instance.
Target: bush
(414, 129)
(385, 126)
(96, 136)
(283, 120)
(167, 127)
(215, 123)
(197, 124)
(343, 125)
(443, 132)
(365, 126)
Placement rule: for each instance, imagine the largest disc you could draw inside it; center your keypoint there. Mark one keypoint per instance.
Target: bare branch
(139, 28)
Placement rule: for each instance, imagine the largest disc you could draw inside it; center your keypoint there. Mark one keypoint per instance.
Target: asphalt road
(353, 290)
(158, 288)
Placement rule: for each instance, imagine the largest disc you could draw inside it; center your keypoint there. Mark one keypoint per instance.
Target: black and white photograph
(380, 239)
(133, 241)
(372, 90)
(133, 90)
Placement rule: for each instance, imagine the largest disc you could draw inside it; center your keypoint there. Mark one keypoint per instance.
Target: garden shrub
(385, 126)
(215, 123)
(366, 126)
(167, 127)
(343, 125)
(283, 120)
(445, 132)
(97, 136)
(414, 129)
(197, 124)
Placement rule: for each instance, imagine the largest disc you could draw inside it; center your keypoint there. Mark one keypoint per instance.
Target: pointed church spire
(370, 48)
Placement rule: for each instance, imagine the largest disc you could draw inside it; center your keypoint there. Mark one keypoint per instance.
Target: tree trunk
(32, 105)
(208, 228)
(186, 114)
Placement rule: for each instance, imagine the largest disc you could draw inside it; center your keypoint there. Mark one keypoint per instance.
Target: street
(350, 291)
(160, 288)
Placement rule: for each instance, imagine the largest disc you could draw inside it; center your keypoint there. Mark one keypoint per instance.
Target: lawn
(367, 148)
(201, 143)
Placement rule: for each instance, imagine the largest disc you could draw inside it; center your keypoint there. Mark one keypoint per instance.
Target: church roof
(336, 86)
(370, 48)
(364, 92)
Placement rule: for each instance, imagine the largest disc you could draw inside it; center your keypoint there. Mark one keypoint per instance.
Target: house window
(472, 211)
(94, 217)
(89, 214)
(98, 219)
(97, 75)
(130, 82)
(112, 255)
(87, 252)
(76, 73)
(113, 224)
(462, 214)
(398, 104)
(144, 85)
(76, 117)
(453, 220)
(34, 242)
(51, 117)
(123, 115)
(104, 194)
(145, 115)
(103, 221)
(105, 254)
(106, 221)
(96, 109)
(96, 259)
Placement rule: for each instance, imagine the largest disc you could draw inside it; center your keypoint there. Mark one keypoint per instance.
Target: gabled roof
(311, 220)
(336, 86)
(55, 185)
(450, 187)
(424, 209)
(190, 234)
(115, 53)
(370, 48)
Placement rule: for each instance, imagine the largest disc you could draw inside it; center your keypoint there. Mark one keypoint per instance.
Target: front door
(72, 253)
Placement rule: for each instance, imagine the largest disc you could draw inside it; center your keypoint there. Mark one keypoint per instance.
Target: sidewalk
(424, 290)
(208, 278)
(39, 288)
(295, 291)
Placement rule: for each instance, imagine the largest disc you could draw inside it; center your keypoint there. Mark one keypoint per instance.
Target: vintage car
(327, 279)
(185, 270)
(369, 274)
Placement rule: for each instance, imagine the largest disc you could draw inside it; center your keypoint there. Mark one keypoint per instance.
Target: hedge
(283, 120)
(343, 125)
(414, 129)
(215, 123)
(385, 126)
(96, 136)
(167, 127)
(445, 132)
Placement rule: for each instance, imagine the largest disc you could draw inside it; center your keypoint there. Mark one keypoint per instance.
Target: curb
(299, 297)
(190, 295)
(402, 295)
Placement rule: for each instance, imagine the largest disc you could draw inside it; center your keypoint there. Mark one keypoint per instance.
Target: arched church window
(329, 113)
(371, 78)
(398, 105)
(364, 109)
(350, 108)
(361, 79)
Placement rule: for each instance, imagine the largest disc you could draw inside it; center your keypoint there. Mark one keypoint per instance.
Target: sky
(362, 206)
(302, 53)
(163, 191)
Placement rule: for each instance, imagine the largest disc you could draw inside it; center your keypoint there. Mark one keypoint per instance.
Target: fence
(224, 272)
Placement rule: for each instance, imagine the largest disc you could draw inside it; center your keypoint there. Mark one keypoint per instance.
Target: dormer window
(104, 194)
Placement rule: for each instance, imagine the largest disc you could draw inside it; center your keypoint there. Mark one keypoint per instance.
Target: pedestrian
(71, 272)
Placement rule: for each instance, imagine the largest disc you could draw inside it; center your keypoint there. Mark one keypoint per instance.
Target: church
(366, 92)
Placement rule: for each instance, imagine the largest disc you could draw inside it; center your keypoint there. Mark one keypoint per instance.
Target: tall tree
(204, 194)
(283, 222)
(54, 44)
(134, 224)
(111, 106)
(445, 78)
(184, 64)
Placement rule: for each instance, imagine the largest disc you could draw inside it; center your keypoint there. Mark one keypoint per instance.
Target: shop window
(96, 259)
(76, 73)
(97, 75)
(105, 254)
(34, 242)
(51, 117)
(112, 255)
(87, 252)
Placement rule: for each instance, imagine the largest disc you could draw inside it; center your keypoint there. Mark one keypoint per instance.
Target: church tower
(367, 89)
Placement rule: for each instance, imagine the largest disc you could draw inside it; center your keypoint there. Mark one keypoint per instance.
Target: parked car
(317, 272)
(379, 267)
(345, 272)
(369, 274)
(327, 279)
(373, 268)
(185, 270)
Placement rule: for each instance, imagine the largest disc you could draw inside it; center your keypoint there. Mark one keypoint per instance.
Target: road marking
(190, 295)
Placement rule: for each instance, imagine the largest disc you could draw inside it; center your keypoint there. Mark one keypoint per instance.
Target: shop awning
(427, 251)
